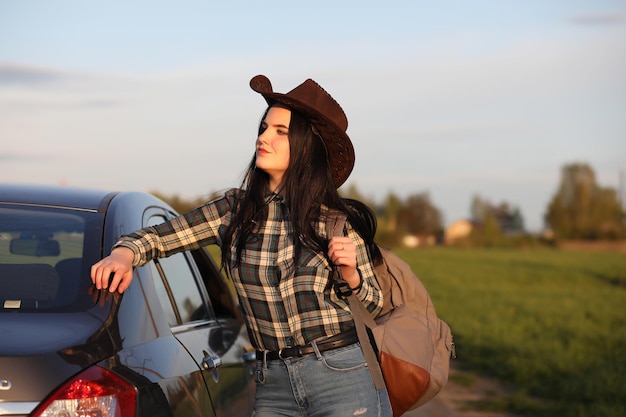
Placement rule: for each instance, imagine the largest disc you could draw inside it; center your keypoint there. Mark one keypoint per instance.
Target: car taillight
(95, 392)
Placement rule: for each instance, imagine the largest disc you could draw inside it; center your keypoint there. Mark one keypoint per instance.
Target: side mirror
(35, 247)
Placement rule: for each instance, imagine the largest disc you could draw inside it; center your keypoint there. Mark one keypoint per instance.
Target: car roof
(56, 195)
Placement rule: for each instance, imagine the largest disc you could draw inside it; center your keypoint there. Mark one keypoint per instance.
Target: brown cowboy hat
(328, 120)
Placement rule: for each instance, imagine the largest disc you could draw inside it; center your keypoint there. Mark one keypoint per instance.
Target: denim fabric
(331, 383)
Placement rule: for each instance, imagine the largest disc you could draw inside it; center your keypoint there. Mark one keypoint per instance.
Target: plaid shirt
(285, 302)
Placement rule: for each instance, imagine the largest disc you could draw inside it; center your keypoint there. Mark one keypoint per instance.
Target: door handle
(211, 362)
(249, 357)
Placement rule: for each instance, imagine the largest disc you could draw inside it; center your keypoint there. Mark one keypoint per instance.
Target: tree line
(580, 209)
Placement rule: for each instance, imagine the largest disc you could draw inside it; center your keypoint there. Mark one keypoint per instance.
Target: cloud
(599, 19)
(100, 103)
(4, 157)
(29, 89)
(16, 74)
(8, 157)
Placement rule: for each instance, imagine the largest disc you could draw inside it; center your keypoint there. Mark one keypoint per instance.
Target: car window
(177, 287)
(41, 257)
(164, 295)
(220, 288)
(182, 284)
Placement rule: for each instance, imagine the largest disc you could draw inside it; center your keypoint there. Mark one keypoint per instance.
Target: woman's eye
(282, 132)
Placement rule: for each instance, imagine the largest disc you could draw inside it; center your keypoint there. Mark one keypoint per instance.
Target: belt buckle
(280, 354)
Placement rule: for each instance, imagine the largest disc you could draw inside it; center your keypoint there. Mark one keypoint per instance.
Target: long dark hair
(307, 185)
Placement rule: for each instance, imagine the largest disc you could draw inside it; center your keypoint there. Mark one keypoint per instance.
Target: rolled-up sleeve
(192, 230)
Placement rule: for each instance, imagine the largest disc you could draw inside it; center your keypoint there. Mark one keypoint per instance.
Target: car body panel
(130, 334)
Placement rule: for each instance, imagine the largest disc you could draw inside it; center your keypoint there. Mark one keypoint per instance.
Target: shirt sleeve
(197, 228)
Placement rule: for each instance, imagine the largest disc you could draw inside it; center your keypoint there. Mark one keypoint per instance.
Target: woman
(272, 233)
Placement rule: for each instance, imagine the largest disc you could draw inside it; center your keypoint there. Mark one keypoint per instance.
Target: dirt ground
(456, 398)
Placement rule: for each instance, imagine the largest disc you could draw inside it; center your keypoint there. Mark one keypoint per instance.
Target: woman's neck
(277, 187)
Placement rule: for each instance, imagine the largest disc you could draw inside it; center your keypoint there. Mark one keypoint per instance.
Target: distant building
(459, 229)
(413, 241)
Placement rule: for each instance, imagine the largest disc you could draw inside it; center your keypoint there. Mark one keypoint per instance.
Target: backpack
(411, 347)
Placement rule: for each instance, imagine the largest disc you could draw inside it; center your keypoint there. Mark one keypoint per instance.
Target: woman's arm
(192, 230)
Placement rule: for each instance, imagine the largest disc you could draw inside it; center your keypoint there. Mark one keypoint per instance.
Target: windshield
(41, 257)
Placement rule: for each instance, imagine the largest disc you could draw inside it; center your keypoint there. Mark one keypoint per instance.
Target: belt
(337, 341)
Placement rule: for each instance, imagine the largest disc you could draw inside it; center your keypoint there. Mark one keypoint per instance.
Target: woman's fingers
(342, 251)
(114, 272)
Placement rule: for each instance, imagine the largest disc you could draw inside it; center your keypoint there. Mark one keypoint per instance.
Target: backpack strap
(362, 317)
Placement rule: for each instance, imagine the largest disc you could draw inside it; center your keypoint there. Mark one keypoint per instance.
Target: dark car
(173, 344)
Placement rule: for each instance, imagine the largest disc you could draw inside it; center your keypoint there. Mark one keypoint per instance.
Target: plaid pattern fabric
(285, 302)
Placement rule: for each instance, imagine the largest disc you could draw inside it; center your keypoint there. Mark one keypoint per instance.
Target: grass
(551, 322)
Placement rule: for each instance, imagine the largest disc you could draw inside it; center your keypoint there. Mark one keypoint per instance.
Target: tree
(351, 192)
(354, 193)
(388, 212)
(581, 209)
(508, 218)
(488, 233)
(182, 205)
(418, 216)
(387, 232)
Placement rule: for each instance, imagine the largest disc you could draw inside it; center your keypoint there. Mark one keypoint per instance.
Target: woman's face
(272, 145)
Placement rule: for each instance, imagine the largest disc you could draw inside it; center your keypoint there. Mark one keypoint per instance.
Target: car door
(202, 315)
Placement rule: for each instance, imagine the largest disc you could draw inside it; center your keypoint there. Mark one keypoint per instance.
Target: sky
(456, 99)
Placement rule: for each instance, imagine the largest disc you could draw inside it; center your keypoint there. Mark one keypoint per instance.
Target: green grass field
(550, 322)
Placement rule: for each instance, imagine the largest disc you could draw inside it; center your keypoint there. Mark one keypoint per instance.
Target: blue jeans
(332, 383)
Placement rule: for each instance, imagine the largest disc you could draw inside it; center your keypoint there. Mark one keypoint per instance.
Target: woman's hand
(342, 251)
(117, 267)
